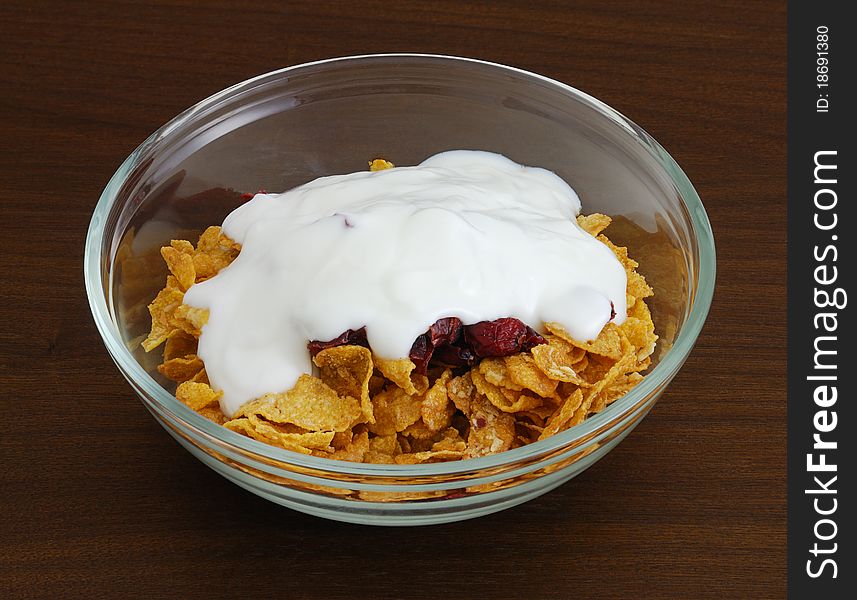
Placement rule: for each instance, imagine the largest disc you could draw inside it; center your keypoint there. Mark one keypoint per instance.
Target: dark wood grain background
(97, 501)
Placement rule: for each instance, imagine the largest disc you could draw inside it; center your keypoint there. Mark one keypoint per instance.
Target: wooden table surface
(97, 501)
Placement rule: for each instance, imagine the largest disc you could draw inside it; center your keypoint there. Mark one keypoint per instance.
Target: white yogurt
(464, 234)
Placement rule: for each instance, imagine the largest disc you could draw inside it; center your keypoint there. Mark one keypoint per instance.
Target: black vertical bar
(822, 335)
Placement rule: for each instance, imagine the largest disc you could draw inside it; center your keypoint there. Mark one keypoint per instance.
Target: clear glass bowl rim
(701, 296)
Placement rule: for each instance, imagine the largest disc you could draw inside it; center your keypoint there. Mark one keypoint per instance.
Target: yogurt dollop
(465, 234)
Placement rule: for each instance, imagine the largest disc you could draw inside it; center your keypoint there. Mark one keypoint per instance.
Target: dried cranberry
(612, 311)
(453, 355)
(502, 337)
(531, 339)
(349, 338)
(421, 353)
(441, 334)
(445, 331)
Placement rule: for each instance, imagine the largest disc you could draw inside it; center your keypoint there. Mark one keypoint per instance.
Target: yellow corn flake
(213, 413)
(630, 301)
(341, 439)
(520, 401)
(310, 404)
(577, 355)
(606, 344)
(428, 456)
(641, 333)
(263, 431)
(641, 365)
(209, 240)
(395, 410)
(190, 319)
(495, 372)
(347, 370)
(201, 377)
(180, 265)
(214, 251)
(180, 345)
(164, 324)
(378, 458)
(562, 418)
(197, 395)
(503, 398)
(596, 369)
(594, 224)
(556, 363)
(436, 409)
(488, 389)
(204, 266)
(386, 444)
(449, 439)
(462, 392)
(491, 430)
(524, 372)
(181, 369)
(582, 411)
(580, 366)
(355, 451)
(637, 288)
(401, 372)
(420, 383)
(213, 241)
(620, 386)
(379, 164)
(628, 359)
(183, 246)
(419, 431)
(376, 383)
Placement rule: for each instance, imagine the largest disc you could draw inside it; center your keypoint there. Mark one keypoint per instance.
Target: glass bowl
(287, 127)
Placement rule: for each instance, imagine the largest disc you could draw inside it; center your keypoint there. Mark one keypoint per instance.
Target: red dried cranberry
(445, 331)
(502, 337)
(531, 339)
(421, 353)
(453, 355)
(349, 338)
(441, 334)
